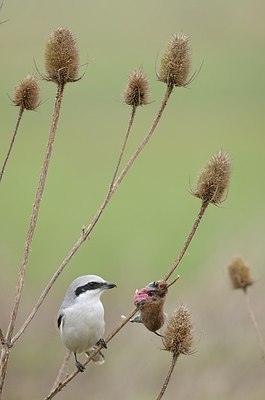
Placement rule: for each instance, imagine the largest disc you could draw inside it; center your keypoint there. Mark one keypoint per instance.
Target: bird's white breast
(83, 324)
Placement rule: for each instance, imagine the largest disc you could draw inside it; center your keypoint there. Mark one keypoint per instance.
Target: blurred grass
(149, 217)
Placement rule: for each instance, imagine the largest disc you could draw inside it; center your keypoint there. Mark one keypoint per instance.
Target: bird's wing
(60, 320)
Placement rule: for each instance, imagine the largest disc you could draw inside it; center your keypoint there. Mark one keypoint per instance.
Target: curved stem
(167, 379)
(188, 240)
(62, 384)
(21, 110)
(255, 323)
(29, 235)
(86, 232)
(123, 148)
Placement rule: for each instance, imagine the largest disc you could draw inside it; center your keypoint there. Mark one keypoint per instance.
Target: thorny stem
(86, 232)
(169, 374)
(21, 110)
(62, 370)
(254, 322)
(133, 112)
(29, 235)
(62, 384)
(123, 148)
(188, 240)
(2, 338)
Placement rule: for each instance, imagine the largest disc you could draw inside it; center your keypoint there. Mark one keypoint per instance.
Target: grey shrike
(81, 317)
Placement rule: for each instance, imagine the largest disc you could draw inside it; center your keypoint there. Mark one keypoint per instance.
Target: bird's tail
(98, 358)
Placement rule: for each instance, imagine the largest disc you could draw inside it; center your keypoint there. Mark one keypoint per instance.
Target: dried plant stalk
(240, 276)
(30, 233)
(26, 98)
(255, 323)
(85, 235)
(168, 377)
(178, 340)
(20, 114)
(86, 232)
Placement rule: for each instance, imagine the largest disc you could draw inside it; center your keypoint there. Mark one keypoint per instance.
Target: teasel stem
(169, 374)
(86, 232)
(20, 114)
(187, 242)
(254, 322)
(29, 235)
(131, 121)
(62, 370)
(63, 383)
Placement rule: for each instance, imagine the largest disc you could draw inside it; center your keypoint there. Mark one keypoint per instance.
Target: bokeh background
(147, 220)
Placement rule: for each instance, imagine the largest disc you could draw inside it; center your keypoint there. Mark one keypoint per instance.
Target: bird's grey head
(86, 285)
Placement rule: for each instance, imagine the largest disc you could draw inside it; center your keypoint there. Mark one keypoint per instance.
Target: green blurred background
(147, 221)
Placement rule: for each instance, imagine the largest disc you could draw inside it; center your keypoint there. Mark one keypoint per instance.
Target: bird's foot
(137, 319)
(158, 334)
(80, 366)
(102, 343)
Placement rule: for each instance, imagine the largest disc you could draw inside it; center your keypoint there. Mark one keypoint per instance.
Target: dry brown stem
(255, 322)
(188, 240)
(169, 374)
(62, 369)
(62, 384)
(21, 110)
(86, 232)
(29, 235)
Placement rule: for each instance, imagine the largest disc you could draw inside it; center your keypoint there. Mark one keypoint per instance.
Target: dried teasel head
(61, 57)
(239, 273)
(27, 94)
(213, 181)
(178, 336)
(137, 90)
(175, 63)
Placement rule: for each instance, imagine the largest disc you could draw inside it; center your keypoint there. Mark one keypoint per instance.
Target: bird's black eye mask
(88, 286)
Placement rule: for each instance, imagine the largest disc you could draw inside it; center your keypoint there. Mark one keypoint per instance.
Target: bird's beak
(109, 285)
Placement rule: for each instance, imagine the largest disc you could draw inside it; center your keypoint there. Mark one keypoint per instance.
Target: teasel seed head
(178, 336)
(213, 181)
(27, 94)
(61, 57)
(137, 90)
(239, 273)
(175, 63)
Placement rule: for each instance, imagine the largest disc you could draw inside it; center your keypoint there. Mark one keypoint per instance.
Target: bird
(81, 317)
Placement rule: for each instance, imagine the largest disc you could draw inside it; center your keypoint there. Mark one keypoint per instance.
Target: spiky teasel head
(61, 57)
(213, 181)
(27, 93)
(239, 273)
(178, 336)
(137, 90)
(175, 63)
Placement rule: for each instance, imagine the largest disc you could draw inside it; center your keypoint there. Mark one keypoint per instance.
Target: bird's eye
(92, 284)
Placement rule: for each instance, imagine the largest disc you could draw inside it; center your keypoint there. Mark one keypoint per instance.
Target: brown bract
(27, 93)
(213, 181)
(239, 273)
(61, 57)
(136, 93)
(178, 335)
(175, 63)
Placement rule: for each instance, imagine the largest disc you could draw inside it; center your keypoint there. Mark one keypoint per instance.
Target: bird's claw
(102, 343)
(80, 366)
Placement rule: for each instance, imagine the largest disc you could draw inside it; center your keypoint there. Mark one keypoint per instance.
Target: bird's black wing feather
(60, 320)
